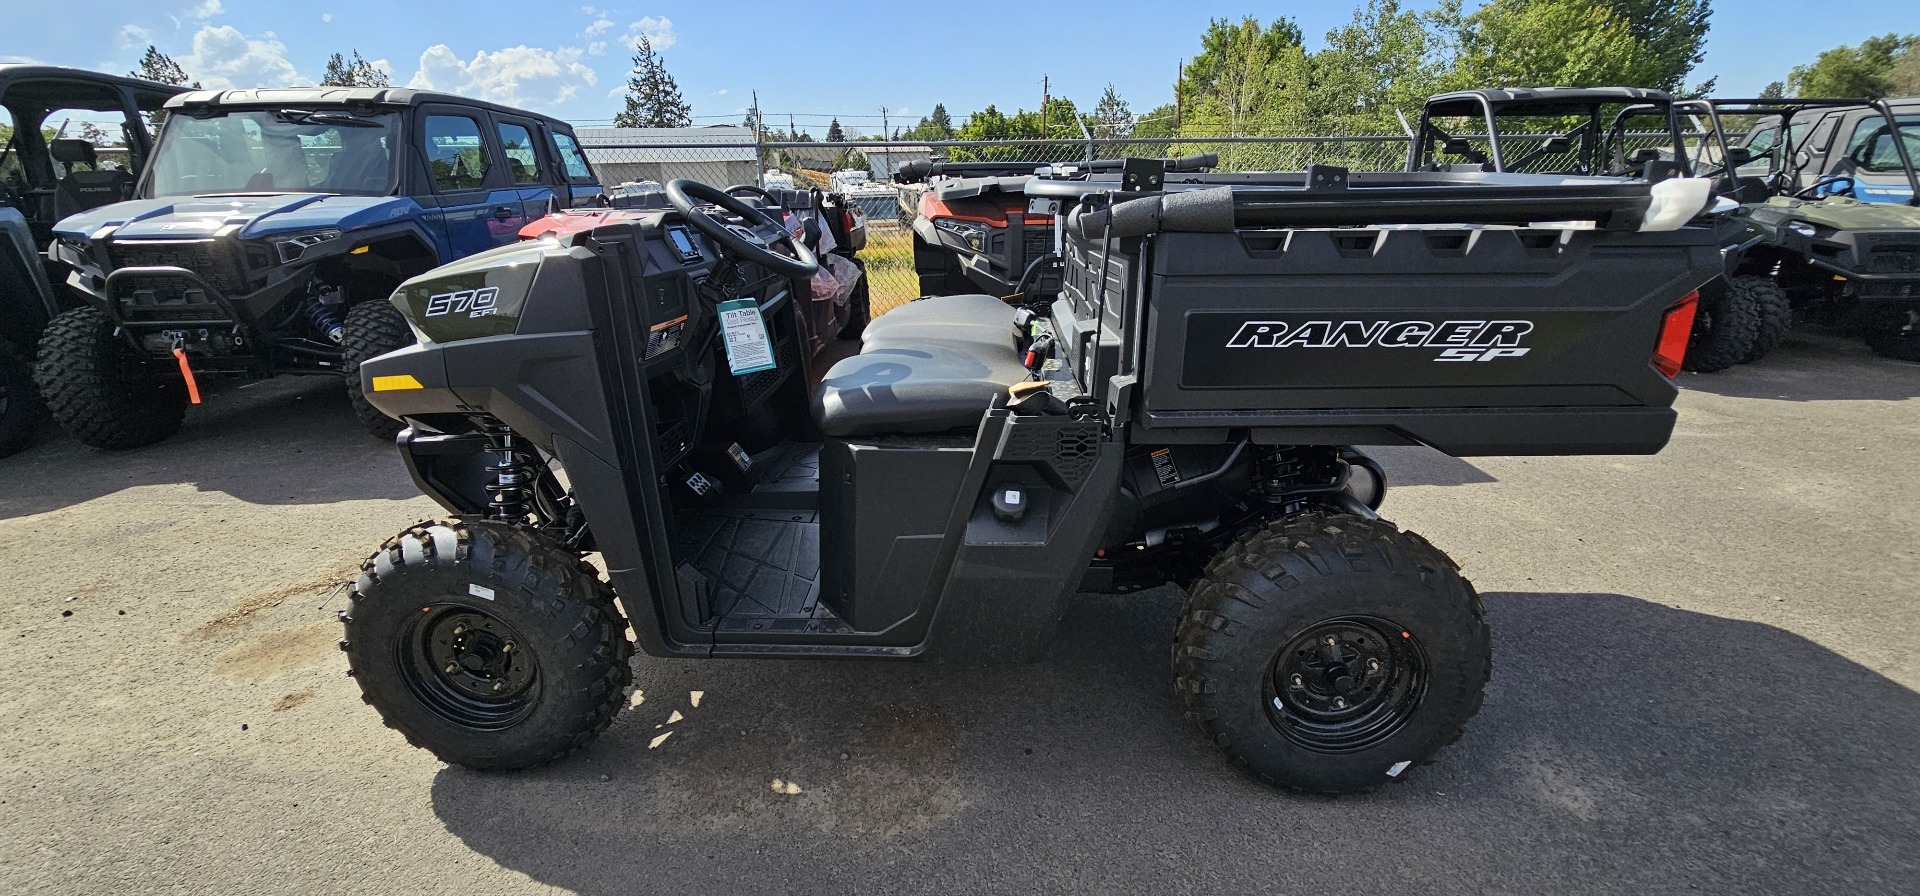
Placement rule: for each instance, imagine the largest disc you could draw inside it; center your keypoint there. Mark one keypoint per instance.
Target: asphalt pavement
(1704, 681)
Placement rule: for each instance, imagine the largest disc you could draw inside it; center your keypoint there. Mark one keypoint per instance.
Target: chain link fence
(863, 170)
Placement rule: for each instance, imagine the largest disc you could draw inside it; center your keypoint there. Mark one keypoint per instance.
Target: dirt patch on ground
(279, 652)
(249, 608)
(292, 701)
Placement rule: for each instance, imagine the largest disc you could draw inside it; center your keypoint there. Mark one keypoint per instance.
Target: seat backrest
(83, 190)
(69, 151)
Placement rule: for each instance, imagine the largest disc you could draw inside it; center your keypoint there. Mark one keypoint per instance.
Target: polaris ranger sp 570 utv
(1183, 413)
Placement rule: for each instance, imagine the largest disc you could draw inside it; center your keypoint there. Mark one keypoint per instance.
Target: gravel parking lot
(1705, 674)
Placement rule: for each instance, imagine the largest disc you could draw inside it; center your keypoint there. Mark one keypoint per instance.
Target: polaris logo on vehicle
(1458, 340)
(470, 302)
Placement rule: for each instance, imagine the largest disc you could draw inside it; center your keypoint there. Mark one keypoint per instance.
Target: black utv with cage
(1186, 411)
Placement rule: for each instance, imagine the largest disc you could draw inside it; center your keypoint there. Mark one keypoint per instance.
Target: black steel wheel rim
(468, 667)
(1346, 684)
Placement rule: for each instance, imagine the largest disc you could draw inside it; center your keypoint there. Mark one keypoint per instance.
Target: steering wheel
(1815, 190)
(688, 198)
(751, 190)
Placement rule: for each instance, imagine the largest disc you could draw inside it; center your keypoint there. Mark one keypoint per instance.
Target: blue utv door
(476, 205)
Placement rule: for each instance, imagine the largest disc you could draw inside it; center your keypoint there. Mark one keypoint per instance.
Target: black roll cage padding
(682, 193)
(1588, 130)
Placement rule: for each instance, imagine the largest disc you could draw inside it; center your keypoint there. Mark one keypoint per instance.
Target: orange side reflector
(186, 373)
(396, 383)
(1676, 327)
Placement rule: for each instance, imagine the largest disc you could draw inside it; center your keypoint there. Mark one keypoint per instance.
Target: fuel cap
(1009, 503)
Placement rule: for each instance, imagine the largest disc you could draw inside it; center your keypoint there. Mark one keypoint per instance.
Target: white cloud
(326, 17)
(597, 48)
(721, 92)
(657, 30)
(517, 76)
(205, 10)
(132, 36)
(225, 59)
(600, 26)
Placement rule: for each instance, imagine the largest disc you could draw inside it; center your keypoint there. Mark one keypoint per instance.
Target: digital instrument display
(683, 244)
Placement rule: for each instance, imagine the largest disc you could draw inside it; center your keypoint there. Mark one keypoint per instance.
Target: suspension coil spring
(509, 472)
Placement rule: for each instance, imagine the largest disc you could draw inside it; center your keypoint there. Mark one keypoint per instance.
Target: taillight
(851, 221)
(1676, 327)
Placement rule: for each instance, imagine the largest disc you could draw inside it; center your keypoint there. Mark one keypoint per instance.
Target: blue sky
(567, 59)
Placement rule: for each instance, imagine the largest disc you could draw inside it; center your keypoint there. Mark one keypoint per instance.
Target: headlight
(70, 250)
(973, 233)
(290, 248)
(1803, 229)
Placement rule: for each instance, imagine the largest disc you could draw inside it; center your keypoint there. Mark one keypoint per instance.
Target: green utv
(1843, 239)
(1187, 410)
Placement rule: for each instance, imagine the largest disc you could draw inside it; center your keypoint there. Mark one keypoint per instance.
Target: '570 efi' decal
(468, 302)
(1457, 340)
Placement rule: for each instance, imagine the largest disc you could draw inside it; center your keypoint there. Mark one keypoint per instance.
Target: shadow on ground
(1814, 365)
(1625, 747)
(284, 441)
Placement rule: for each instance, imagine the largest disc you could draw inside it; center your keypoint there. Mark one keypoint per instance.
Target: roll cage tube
(1681, 157)
(682, 195)
(1783, 151)
(1900, 148)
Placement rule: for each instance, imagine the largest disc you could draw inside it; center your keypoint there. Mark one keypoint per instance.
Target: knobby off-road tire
(1329, 653)
(538, 650)
(1773, 310)
(1894, 333)
(373, 328)
(1724, 329)
(20, 407)
(100, 389)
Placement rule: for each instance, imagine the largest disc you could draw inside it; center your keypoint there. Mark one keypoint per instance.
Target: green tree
(1673, 37)
(1111, 118)
(1864, 70)
(1564, 43)
(653, 99)
(1387, 60)
(1248, 80)
(355, 72)
(158, 66)
(834, 132)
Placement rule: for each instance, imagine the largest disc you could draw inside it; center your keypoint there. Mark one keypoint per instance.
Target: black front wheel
(100, 389)
(1894, 332)
(487, 645)
(20, 407)
(1329, 653)
(1726, 324)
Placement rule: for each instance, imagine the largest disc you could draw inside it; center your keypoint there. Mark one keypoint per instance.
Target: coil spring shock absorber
(509, 471)
(322, 299)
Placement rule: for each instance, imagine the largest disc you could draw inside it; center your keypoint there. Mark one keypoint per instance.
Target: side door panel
(476, 206)
(530, 169)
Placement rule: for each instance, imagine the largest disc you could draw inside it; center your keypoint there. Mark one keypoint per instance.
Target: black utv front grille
(1902, 259)
(213, 260)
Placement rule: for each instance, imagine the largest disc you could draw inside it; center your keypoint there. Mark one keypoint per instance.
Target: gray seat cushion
(978, 319)
(935, 369)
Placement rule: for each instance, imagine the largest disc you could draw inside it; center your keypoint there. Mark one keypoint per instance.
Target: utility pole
(792, 132)
(1177, 73)
(1044, 97)
(759, 152)
(886, 133)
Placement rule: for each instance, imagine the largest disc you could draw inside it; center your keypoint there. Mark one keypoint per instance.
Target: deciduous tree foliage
(355, 72)
(158, 66)
(653, 99)
(1878, 66)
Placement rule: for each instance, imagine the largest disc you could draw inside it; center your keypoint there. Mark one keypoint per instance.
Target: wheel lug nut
(507, 647)
(1339, 703)
(1331, 640)
(499, 686)
(1373, 665)
(459, 629)
(452, 667)
(1298, 681)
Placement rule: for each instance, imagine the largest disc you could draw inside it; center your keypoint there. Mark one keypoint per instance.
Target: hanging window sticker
(748, 348)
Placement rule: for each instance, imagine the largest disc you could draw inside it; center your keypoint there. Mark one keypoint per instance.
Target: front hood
(1839, 213)
(255, 214)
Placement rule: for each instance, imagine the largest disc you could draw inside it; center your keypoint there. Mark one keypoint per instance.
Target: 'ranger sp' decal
(1458, 340)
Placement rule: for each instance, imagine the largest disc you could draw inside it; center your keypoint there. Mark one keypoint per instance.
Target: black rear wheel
(100, 389)
(1773, 311)
(373, 328)
(1329, 653)
(487, 645)
(20, 407)
(1725, 325)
